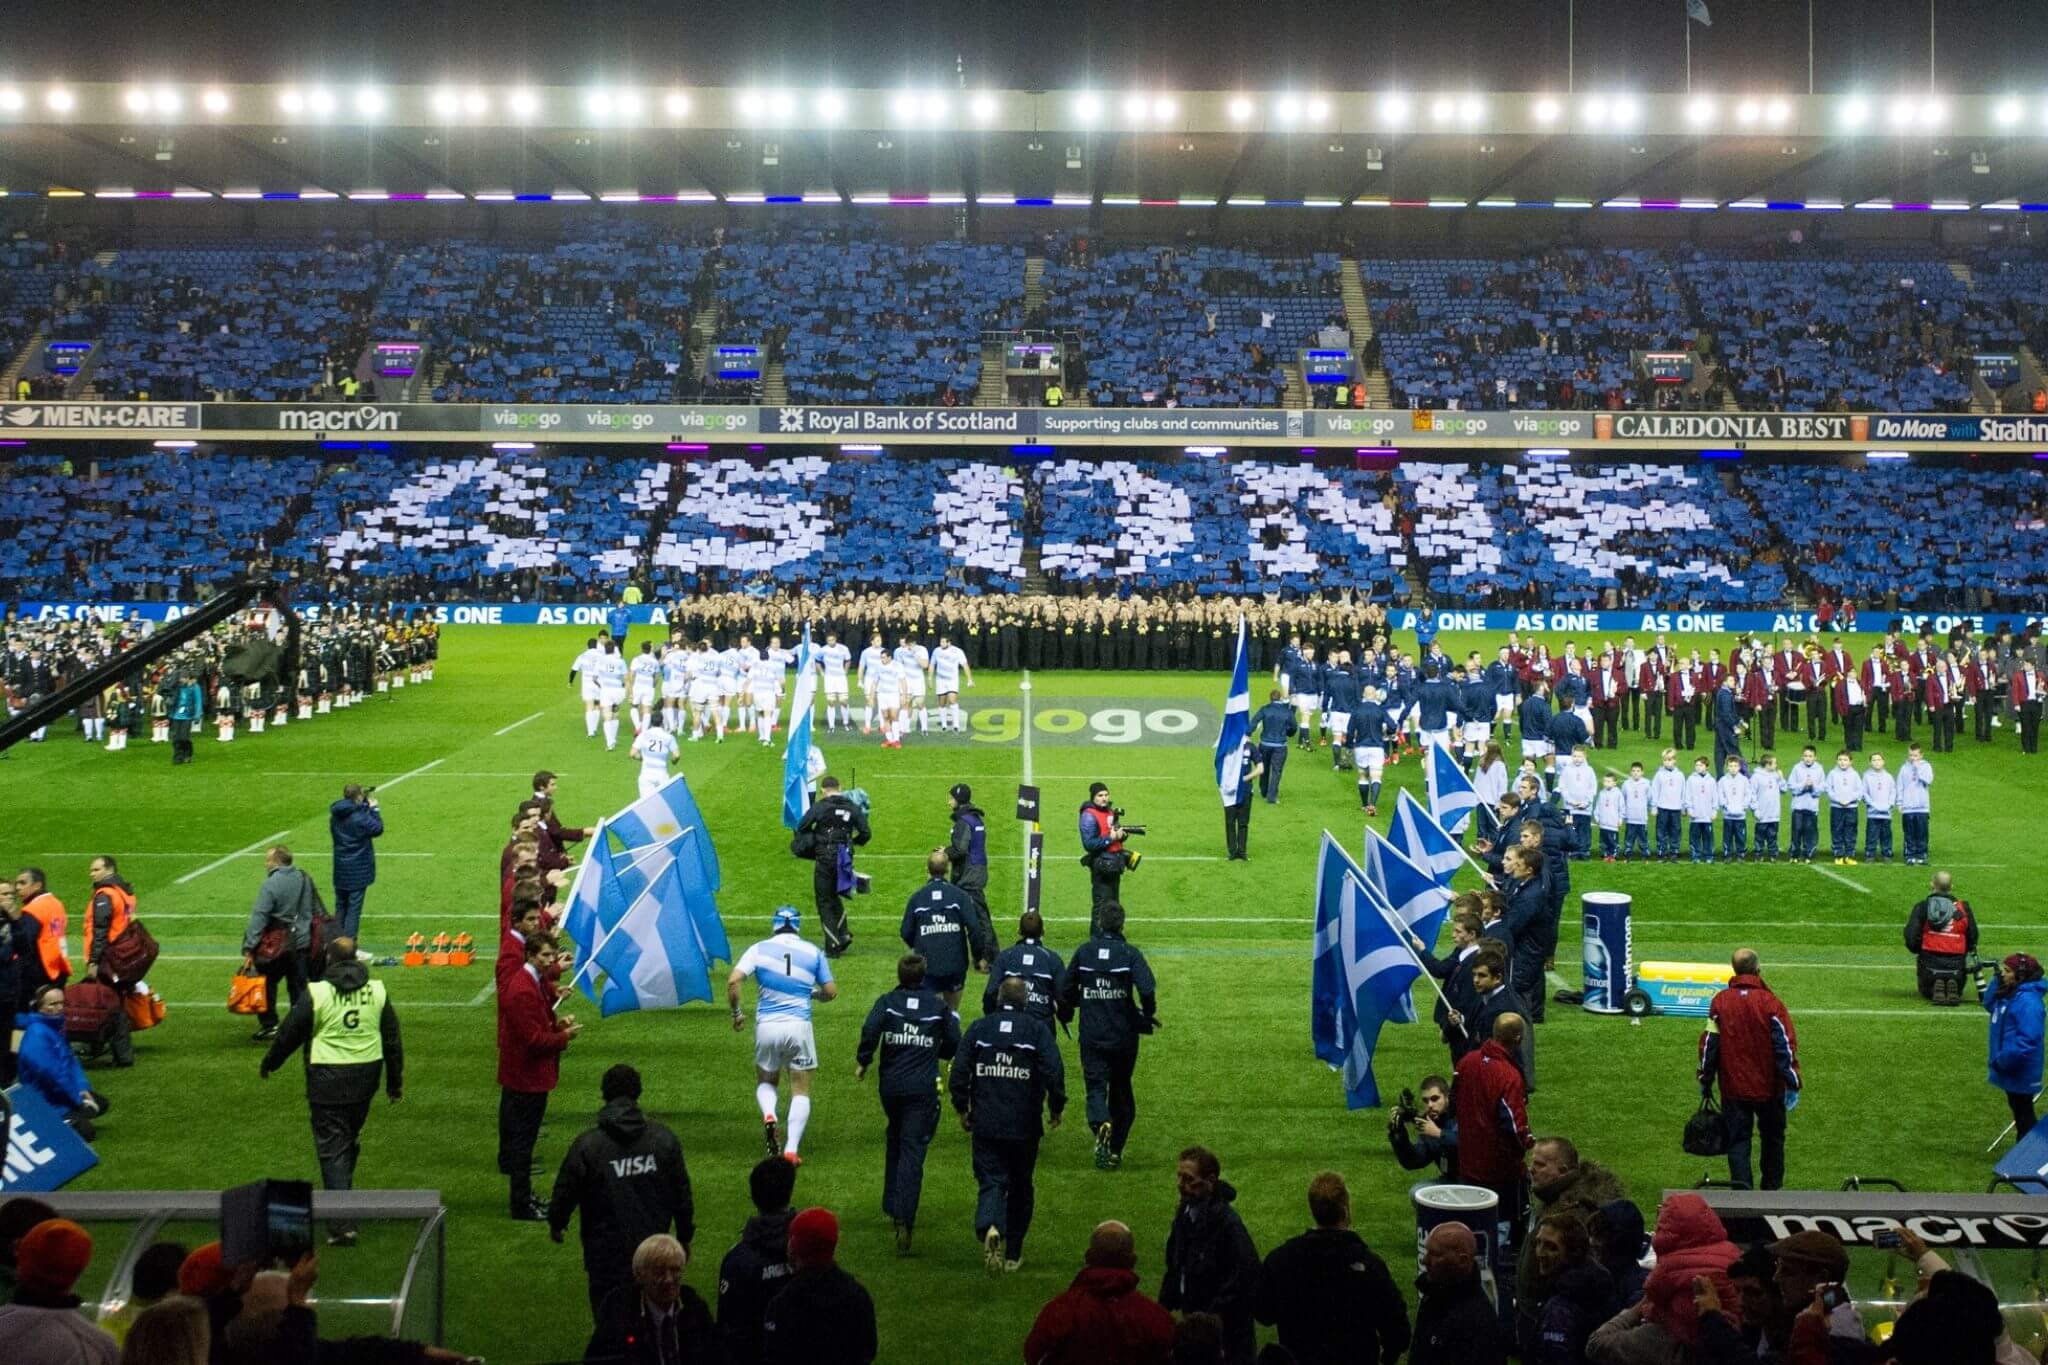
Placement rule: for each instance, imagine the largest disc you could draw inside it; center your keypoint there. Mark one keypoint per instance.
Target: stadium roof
(1446, 149)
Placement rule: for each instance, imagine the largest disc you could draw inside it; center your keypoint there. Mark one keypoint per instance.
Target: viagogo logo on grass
(1094, 720)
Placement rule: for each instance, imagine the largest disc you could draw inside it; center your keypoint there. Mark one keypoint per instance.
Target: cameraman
(1102, 840)
(352, 823)
(1941, 933)
(1436, 1129)
(829, 832)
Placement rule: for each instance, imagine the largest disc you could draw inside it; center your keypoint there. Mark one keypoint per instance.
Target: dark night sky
(1983, 45)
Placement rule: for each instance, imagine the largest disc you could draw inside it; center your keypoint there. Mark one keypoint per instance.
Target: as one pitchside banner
(1449, 620)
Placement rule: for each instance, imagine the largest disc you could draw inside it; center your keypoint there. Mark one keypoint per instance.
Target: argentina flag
(796, 752)
(651, 958)
(1361, 973)
(1237, 719)
(1452, 797)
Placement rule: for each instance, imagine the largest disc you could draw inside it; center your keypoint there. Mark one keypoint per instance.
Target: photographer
(353, 823)
(1428, 1111)
(829, 832)
(1102, 840)
(1941, 933)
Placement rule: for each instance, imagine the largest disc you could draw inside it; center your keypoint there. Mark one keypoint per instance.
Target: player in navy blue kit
(912, 1030)
(1110, 984)
(1007, 1074)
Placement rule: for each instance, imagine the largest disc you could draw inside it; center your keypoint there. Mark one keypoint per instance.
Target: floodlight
(1748, 112)
(831, 105)
(1623, 110)
(476, 103)
(369, 101)
(1855, 112)
(1240, 110)
(1595, 110)
(523, 103)
(1087, 107)
(11, 101)
(677, 104)
(1163, 107)
(291, 101)
(165, 100)
(1545, 110)
(627, 104)
(320, 102)
(598, 103)
(1471, 109)
(2007, 112)
(933, 106)
(446, 103)
(983, 106)
(1699, 111)
(136, 101)
(214, 101)
(1441, 108)
(1776, 112)
(1393, 109)
(1287, 109)
(1318, 109)
(1134, 108)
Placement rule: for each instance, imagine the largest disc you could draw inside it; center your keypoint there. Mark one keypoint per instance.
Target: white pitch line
(1835, 876)
(303, 772)
(265, 842)
(516, 724)
(483, 993)
(426, 767)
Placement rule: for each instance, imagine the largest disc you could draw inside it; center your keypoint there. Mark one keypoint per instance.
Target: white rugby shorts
(785, 1044)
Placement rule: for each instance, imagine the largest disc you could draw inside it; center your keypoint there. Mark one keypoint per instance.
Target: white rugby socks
(799, 1116)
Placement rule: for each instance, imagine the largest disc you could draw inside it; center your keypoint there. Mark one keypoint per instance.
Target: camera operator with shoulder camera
(1102, 842)
(1427, 1110)
(353, 823)
(1941, 933)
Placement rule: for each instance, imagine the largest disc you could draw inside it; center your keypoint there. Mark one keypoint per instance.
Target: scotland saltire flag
(796, 753)
(1361, 973)
(1237, 724)
(1452, 797)
(1409, 894)
(644, 905)
(1696, 10)
(1416, 833)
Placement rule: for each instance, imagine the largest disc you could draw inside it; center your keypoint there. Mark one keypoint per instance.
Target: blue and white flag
(1361, 973)
(662, 835)
(659, 818)
(1418, 835)
(1452, 797)
(1237, 724)
(796, 752)
(584, 911)
(652, 958)
(1696, 10)
(1410, 894)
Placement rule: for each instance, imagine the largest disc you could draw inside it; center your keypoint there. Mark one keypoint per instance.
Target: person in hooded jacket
(1331, 1297)
(1102, 1318)
(758, 1266)
(2016, 1028)
(353, 823)
(967, 852)
(1559, 1182)
(1619, 1241)
(349, 1030)
(1941, 933)
(821, 1315)
(1570, 1290)
(46, 1064)
(626, 1173)
(1211, 1264)
(1690, 1243)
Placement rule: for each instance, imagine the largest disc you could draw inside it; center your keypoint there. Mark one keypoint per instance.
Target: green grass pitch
(1895, 1088)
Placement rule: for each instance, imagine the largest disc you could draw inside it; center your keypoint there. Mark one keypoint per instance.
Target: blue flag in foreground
(1411, 897)
(1416, 833)
(652, 958)
(645, 902)
(1237, 724)
(1452, 797)
(1361, 973)
(796, 752)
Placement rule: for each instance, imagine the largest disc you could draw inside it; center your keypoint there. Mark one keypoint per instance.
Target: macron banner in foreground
(43, 1154)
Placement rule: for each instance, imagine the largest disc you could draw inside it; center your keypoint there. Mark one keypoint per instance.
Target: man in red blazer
(1491, 1102)
(531, 1040)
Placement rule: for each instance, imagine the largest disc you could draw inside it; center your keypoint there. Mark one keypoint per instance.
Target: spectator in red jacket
(1493, 1134)
(1103, 1318)
(531, 1040)
(1751, 1047)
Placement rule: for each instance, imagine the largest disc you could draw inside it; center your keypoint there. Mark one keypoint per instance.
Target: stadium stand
(859, 319)
(1192, 326)
(1938, 538)
(601, 319)
(146, 526)
(272, 323)
(30, 270)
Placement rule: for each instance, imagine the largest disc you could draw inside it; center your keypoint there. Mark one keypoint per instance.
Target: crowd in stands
(857, 318)
(1187, 326)
(506, 526)
(602, 312)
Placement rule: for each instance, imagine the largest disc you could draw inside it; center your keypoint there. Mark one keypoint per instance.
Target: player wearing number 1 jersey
(788, 974)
